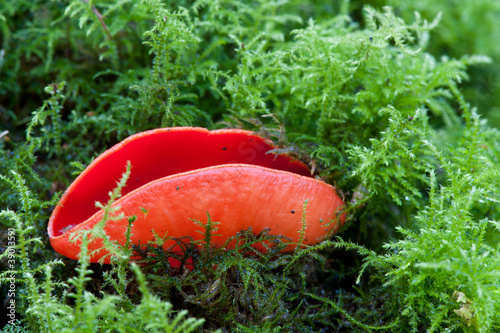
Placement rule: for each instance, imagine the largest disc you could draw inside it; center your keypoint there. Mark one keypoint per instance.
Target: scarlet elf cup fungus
(180, 174)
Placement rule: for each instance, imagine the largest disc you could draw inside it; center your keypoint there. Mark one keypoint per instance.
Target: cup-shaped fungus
(182, 174)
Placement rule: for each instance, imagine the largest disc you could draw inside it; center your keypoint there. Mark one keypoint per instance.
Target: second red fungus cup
(180, 174)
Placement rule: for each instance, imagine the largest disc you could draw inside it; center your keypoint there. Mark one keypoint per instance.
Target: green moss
(387, 104)
(465, 28)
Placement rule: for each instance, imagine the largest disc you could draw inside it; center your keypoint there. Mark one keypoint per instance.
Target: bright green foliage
(385, 103)
(447, 251)
(465, 28)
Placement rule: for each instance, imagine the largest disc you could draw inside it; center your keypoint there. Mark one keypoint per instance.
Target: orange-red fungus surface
(183, 173)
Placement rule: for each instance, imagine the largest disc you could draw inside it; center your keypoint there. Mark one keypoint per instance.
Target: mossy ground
(396, 106)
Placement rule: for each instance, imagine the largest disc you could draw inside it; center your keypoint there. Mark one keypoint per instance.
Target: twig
(101, 19)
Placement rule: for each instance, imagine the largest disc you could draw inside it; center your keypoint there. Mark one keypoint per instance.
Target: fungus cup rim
(118, 201)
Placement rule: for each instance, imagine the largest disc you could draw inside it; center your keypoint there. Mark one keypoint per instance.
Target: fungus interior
(161, 153)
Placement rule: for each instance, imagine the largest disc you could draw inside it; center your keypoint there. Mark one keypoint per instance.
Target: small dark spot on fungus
(69, 227)
(292, 211)
(137, 179)
(177, 188)
(224, 148)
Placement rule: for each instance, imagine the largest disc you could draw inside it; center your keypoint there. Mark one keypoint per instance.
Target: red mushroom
(183, 173)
